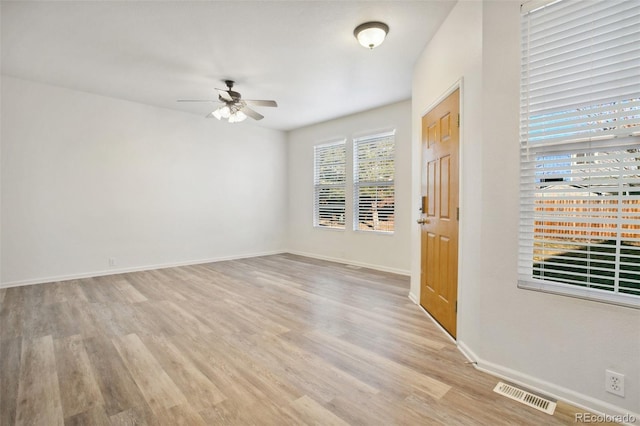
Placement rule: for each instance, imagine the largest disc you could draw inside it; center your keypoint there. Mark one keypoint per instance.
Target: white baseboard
(351, 262)
(414, 299)
(542, 387)
(513, 376)
(468, 353)
(102, 273)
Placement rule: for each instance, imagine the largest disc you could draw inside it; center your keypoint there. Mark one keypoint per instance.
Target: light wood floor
(275, 340)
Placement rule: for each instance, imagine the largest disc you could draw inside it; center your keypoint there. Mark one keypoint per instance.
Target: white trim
(366, 142)
(398, 271)
(467, 353)
(533, 5)
(561, 113)
(462, 211)
(331, 142)
(558, 392)
(374, 134)
(102, 273)
(552, 390)
(329, 228)
(458, 85)
(319, 157)
(455, 86)
(387, 233)
(445, 332)
(542, 387)
(586, 293)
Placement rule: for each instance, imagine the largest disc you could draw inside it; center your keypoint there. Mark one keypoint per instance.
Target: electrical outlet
(614, 382)
(112, 261)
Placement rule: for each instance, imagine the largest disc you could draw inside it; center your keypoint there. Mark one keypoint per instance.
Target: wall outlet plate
(614, 382)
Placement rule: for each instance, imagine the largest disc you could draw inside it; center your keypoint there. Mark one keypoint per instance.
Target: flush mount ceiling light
(371, 34)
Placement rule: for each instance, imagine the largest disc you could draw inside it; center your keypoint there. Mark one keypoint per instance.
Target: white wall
(86, 178)
(454, 57)
(386, 252)
(555, 344)
(1, 175)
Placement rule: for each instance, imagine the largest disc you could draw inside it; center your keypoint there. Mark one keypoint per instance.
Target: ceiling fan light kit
(234, 109)
(222, 112)
(233, 115)
(237, 117)
(371, 34)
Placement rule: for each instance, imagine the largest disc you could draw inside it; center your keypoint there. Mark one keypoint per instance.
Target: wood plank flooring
(275, 340)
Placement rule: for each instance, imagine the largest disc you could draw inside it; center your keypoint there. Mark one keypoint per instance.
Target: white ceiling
(301, 53)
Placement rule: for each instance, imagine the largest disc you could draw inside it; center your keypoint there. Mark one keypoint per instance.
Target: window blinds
(374, 191)
(329, 185)
(580, 150)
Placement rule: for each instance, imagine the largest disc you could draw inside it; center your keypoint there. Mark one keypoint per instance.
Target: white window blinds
(374, 191)
(580, 150)
(329, 185)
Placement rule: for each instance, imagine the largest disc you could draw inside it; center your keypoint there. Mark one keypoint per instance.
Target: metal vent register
(527, 398)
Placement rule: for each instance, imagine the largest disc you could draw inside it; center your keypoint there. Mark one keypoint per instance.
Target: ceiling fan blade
(261, 103)
(251, 113)
(224, 94)
(195, 100)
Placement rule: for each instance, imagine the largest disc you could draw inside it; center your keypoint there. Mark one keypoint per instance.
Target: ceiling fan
(234, 108)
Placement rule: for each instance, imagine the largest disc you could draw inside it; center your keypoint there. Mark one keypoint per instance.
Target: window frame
(558, 149)
(339, 183)
(358, 183)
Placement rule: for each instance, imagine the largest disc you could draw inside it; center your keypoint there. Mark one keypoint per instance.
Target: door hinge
(458, 120)
(458, 213)
(456, 306)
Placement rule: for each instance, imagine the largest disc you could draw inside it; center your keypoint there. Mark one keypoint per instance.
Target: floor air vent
(525, 397)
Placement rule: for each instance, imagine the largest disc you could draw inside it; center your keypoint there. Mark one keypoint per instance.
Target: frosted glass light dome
(371, 34)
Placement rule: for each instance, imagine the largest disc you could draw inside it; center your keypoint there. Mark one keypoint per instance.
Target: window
(580, 150)
(374, 193)
(329, 185)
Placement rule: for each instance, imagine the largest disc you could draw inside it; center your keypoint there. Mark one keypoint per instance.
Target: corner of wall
(413, 298)
(540, 358)
(384, 252)
(1, 138)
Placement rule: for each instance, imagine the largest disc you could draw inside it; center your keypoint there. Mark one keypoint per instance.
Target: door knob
(423, 221)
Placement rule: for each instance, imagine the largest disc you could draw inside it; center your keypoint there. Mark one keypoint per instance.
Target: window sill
(328, 228)
(388, 233)
(595, 295)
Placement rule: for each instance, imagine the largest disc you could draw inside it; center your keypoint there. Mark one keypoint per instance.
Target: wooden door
(439, 219)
